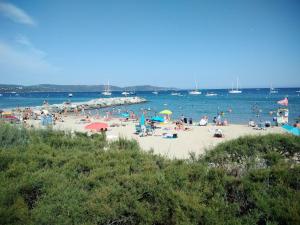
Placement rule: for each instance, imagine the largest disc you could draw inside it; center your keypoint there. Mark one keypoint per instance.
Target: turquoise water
(190, 106)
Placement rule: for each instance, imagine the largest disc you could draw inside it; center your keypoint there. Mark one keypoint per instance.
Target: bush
(57, 178)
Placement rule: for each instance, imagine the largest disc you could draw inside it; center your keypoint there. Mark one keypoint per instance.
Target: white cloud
(16, 14)
(26, 43)
(24, 59)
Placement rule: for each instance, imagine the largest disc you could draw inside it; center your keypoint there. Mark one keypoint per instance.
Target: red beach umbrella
(97, 126)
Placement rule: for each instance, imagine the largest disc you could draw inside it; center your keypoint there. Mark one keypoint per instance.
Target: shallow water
(190, 106)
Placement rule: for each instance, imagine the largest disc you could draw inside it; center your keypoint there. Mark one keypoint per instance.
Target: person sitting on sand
(179, 125)
(251, 123)
(215, 119)
(182, 118)
(203, 121)
(219, 120)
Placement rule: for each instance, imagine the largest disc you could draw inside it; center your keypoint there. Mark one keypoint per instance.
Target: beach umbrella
(6, 113)
(11, 117)
(295, 131)
(157, 119)
(142, 120)
(287, 127)
(125, 115)
(166, 112)
(291, 129)
(97, 126)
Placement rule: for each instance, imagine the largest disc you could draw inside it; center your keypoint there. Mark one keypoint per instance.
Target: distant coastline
(8, 88)
(5, 88)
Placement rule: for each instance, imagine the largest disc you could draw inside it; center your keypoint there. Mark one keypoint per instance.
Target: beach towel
(169, 135)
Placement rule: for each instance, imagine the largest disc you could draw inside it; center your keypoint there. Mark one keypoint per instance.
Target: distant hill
(76, 88)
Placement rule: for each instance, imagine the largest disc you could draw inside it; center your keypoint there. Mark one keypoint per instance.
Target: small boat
(107, 91)
(273, 90)
(175, 94)
(1, 95)
(70, 95)
(125, 93)
(298, 91)
(195, 91)
(235, 91)
(132, 92)
(208, 94)
(155, 92)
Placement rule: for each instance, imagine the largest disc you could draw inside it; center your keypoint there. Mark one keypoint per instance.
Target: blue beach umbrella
(292, 130)
(295, 131)
(157, 119)
(125, 115)
(142, 120)
(287, 127)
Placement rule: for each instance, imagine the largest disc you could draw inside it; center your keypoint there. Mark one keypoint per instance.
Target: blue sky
(163, 43)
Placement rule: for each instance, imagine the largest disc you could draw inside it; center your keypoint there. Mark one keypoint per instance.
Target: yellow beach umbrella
(166, 112)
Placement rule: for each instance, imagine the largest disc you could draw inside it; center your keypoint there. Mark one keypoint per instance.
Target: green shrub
(11, 136)
(51, 177)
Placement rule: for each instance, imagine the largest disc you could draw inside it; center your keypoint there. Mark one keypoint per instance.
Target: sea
(256, 104)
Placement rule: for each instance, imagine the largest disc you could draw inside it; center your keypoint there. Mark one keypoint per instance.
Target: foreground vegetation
(56, 178)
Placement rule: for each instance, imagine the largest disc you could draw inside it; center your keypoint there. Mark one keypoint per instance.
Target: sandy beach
(197, 139)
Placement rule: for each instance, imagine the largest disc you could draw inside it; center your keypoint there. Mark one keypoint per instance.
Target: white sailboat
(70, 95)
(195, 91)
(107, 91)
(235, 91)
(273, 90)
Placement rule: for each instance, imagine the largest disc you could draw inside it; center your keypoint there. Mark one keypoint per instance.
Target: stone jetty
(96, 103)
